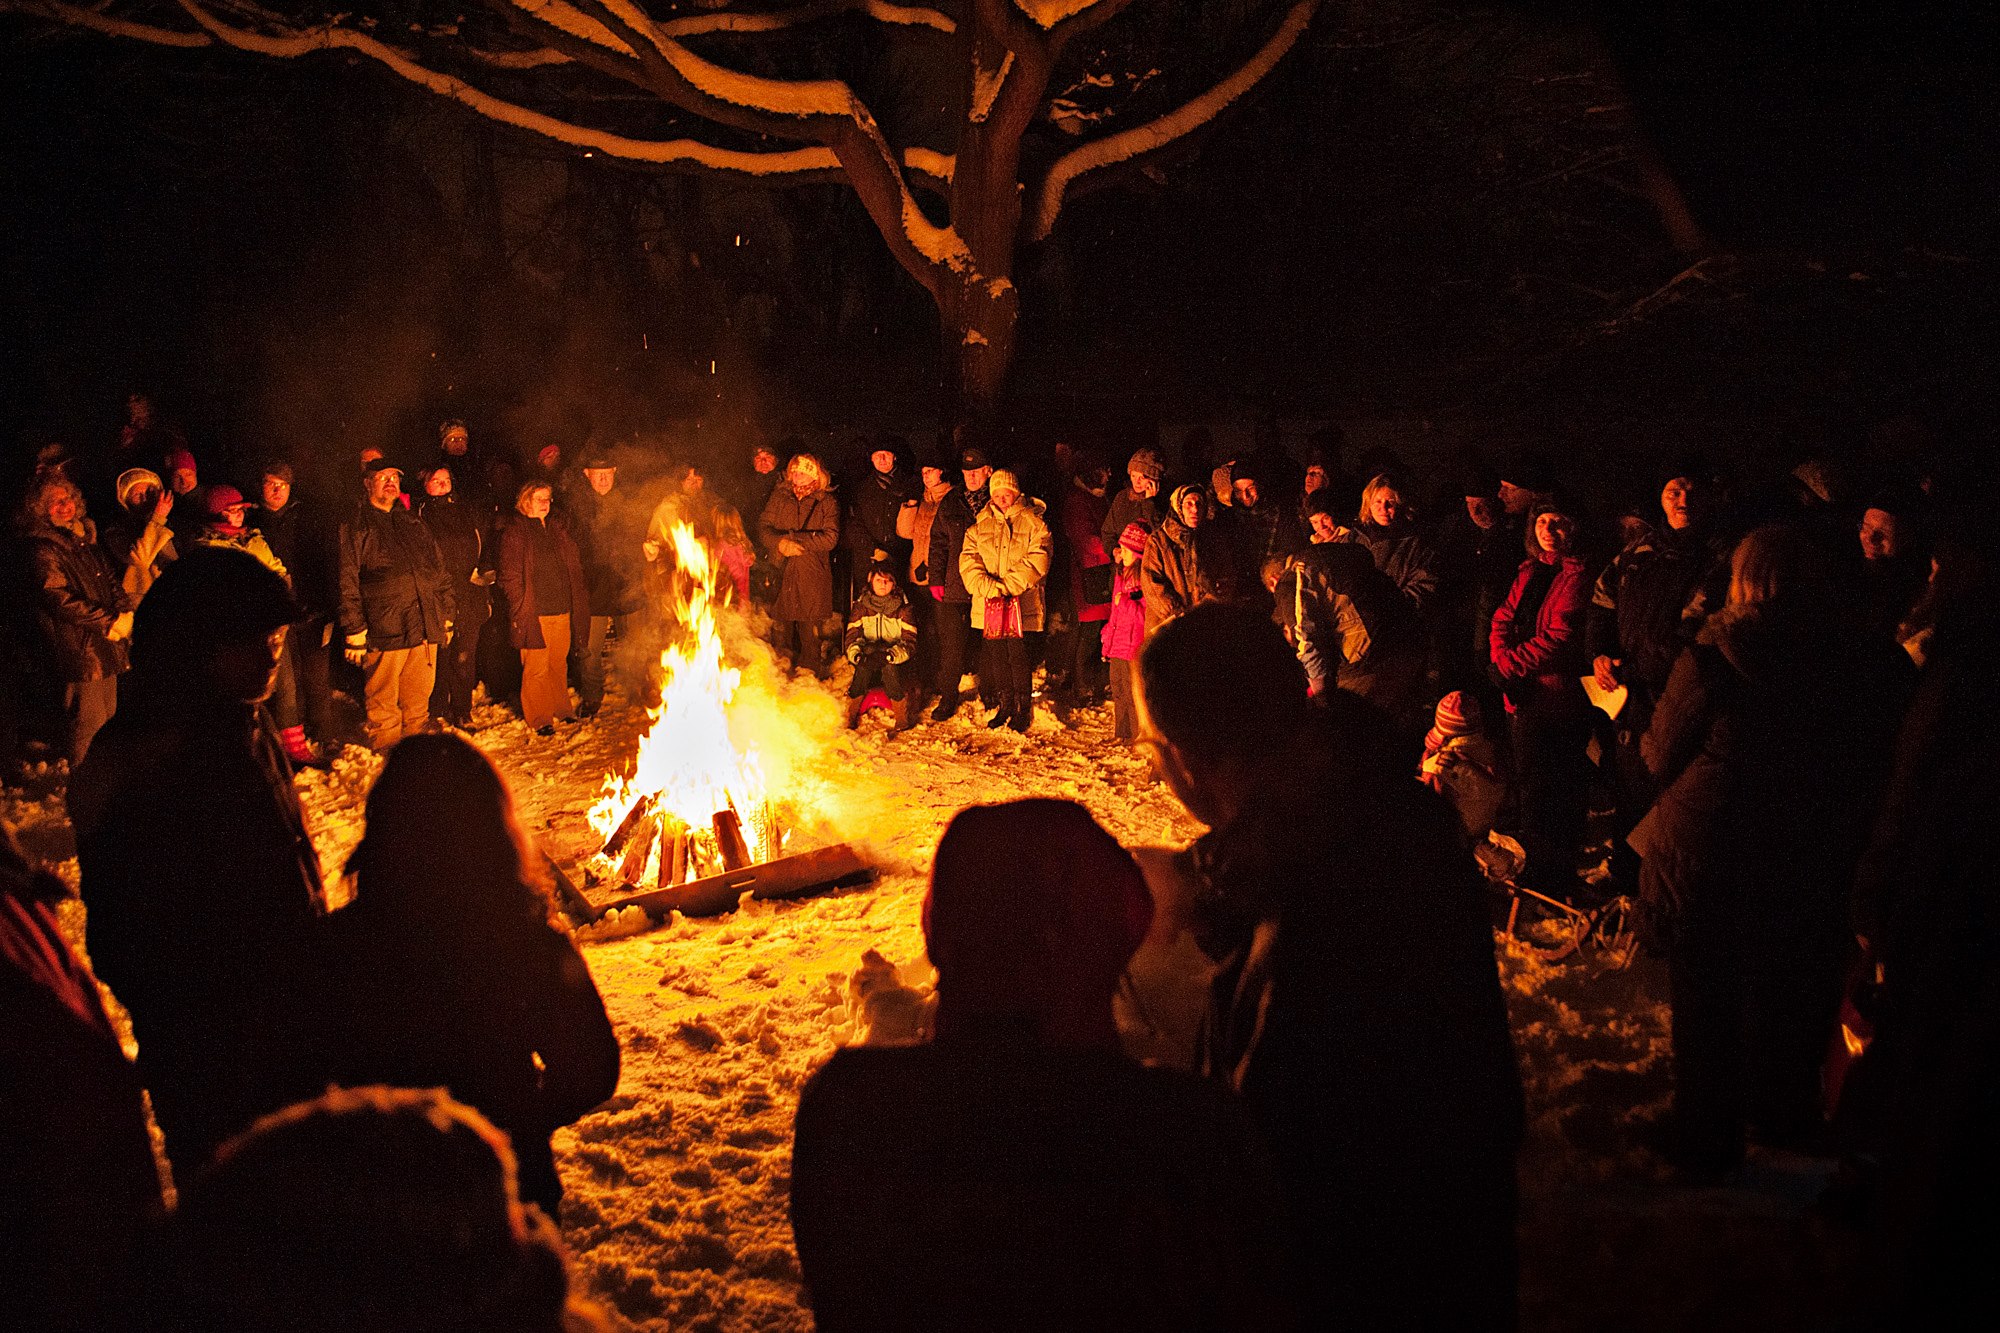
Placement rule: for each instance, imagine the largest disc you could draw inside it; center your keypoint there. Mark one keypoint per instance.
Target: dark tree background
(1432, 208)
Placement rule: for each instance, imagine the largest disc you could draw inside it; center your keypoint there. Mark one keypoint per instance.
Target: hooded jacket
(1182, 567)
(1008, 555)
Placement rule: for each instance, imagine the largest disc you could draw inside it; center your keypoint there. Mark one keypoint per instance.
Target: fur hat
(133, 478)
(1147, 464)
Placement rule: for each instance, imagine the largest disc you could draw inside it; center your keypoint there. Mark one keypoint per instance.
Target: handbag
(1002, 618)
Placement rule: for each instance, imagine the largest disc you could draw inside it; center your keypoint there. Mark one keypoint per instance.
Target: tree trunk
(978, 321)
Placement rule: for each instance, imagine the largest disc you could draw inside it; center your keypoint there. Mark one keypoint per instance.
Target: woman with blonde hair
(1770, 743)
(1383, 525)
(542, 579)
(800, 525)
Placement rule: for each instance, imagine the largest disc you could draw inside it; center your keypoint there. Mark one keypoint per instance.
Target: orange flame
(690, 758)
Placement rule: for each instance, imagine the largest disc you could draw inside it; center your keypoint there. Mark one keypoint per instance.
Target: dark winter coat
(528, 549)
(1358, 1012)
(608, 534)
(1127, 508)
(956, 514)
(805, 582)
(1090, 571)
(298, 537)
(987, 1182)
(1771, 743)
(1649, 602)
(871, 516)
(1476, 567)
(415, 1005)
(1181, 569)
(79, 597)
(461, 541)
(1539, 657)
(1402, 553)
(393, 583)
(203, 890)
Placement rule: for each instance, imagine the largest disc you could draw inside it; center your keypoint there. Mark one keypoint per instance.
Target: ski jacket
(881, 624)
(1540, 657)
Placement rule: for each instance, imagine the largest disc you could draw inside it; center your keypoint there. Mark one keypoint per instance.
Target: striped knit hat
(1458, 714)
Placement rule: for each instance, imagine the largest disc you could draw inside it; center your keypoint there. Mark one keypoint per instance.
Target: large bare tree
(1040, 103)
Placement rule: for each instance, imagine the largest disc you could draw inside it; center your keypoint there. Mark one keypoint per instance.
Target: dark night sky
(266, 246)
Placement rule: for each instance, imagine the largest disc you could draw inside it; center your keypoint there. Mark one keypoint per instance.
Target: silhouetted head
(367, 1208)
(213, 624)
(443, 843)
(1221, 695)
(1033, 912)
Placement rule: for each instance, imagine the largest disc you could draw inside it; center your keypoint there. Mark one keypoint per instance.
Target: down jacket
(80, 598)
(1008, 555)
(394, 591)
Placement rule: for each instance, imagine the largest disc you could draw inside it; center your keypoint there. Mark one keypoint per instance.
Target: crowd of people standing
(1775, 697)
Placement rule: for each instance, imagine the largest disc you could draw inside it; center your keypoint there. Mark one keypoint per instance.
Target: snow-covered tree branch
(767, 91)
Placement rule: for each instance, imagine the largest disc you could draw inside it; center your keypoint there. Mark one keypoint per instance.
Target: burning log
(639, 849)
(796, 876)
(729, 840)
(629, 825)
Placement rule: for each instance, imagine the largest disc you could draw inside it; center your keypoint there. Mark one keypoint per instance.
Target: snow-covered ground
(676, 1210)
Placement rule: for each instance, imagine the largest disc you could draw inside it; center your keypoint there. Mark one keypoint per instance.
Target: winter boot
(1022, 716)
(854, 714)
(905, 710)
(1003, 712)
(298, 749)
(947, 707)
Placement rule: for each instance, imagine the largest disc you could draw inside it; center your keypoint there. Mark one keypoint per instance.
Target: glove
(357, 647)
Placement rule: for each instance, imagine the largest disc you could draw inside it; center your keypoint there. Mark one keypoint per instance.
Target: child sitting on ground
(880, 634)
(1459, 763)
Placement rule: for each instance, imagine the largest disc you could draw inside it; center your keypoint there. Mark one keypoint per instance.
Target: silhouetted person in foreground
(1357, 1008)
(447, 971)
(368, 1210)
(201, 880)
(1019, 1171)
(77, 1180)
(1771, 744)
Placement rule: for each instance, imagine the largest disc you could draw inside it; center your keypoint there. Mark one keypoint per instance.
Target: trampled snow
(676, 1207)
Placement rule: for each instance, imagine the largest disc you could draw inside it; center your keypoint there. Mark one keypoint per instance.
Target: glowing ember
(691, 761)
